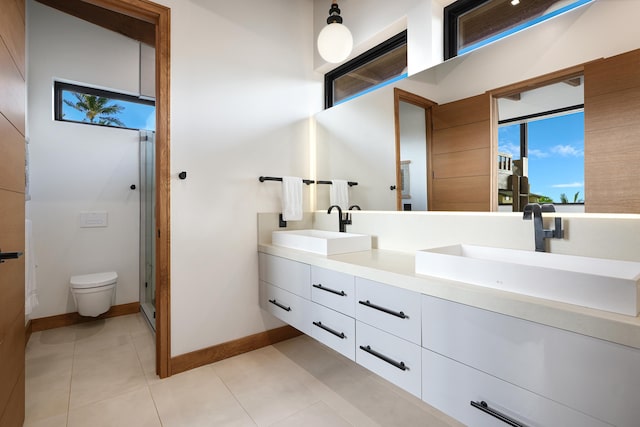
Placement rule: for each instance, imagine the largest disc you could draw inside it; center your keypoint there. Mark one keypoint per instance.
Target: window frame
(524, 121)
(60, 86)
(367, 57)
(453, 12)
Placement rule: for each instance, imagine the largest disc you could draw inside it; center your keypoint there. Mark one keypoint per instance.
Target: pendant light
(335, 41)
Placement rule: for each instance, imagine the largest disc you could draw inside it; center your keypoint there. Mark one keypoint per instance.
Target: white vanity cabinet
(587, 375)
(332, 310)
(285, 290)
(389, 308)
(333, 329)
(333, 289)
(292, 276)
(394, 359)
(473, 364)
(451, 386)
(388, 333)
(286, 306)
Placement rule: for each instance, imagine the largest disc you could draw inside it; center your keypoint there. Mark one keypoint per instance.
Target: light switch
(93, 219)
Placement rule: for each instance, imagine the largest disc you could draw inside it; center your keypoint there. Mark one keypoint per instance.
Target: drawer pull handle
(502, 417)
(399, 314)
(340, 335)
(333, 291)
(274, 302)
(399, 365)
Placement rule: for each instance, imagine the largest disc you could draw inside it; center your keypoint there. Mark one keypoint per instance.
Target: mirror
(412, 118)
(541, 146)
(355, 140)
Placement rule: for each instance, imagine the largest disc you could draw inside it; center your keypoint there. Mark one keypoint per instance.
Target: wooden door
(12, 200)
(462, 156)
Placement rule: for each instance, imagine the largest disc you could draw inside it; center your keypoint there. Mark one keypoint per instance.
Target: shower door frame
(147, 226)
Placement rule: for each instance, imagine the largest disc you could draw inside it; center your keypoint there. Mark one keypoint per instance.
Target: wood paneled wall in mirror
(462, 155)
(612, 134)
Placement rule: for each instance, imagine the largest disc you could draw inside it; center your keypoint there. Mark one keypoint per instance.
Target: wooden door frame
(400, 95)
(513, 90)
(160, 17)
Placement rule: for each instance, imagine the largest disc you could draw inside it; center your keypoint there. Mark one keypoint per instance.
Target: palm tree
(576, 198)
(96, 110)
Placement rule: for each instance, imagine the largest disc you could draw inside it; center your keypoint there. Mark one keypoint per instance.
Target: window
(379, 66)
(470, 24)
(553, 144)
(99, 107)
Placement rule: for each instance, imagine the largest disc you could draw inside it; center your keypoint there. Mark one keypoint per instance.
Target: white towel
(30, 289)
(291, 198)
(339, 193)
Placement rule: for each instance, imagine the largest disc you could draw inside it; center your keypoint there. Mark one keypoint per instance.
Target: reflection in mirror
(412, 185)
(412, 121)
(355, 142)
(541, 146)
(355, 139)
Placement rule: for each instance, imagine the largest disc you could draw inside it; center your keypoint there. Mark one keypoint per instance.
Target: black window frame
(451, 15)
(371, 55)
(59, 87)
(453, 12)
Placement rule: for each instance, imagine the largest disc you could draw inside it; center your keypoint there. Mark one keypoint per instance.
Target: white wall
(242, 92)
(77, 167)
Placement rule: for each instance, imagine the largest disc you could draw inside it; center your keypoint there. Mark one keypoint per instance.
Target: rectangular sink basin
(598, 283)
(321, 242)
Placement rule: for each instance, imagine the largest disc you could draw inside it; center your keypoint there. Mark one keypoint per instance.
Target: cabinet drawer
(289, 275)
(389, 308)
(393, 358)
(334, 330)
(597, 377)
(451, 387)
(288, 307)
(334, 290)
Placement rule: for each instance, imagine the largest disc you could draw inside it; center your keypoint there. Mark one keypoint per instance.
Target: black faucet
(347, 219)
(540, 232)
(342, 223)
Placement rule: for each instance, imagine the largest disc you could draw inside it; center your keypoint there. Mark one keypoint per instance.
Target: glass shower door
(148, 226)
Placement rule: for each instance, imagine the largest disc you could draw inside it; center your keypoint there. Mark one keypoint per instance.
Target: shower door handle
(9, 255)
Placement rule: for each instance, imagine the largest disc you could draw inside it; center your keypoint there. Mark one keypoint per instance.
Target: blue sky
(134, 116)
(556, 154)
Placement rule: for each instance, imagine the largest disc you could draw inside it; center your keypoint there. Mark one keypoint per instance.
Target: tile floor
(102, 373)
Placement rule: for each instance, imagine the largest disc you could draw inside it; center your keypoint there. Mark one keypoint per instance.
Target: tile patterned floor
(102, 373)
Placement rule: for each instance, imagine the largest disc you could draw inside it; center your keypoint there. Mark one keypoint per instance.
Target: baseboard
(185, 362)
(28, 329)
(69, 319)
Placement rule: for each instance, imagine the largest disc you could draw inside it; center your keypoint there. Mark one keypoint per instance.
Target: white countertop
(398, 269)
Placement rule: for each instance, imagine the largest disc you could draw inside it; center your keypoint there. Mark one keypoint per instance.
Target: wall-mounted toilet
(94, 293)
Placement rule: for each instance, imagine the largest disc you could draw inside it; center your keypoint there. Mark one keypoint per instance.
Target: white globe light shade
(335, 43)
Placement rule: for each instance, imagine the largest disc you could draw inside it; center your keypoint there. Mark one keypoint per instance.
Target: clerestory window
(87, 105)
(379, 66)
(470, 24)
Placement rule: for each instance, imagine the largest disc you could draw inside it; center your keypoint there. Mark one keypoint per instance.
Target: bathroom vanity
(483, 356)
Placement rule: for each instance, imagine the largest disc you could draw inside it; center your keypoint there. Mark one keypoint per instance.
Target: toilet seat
(94, 280)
